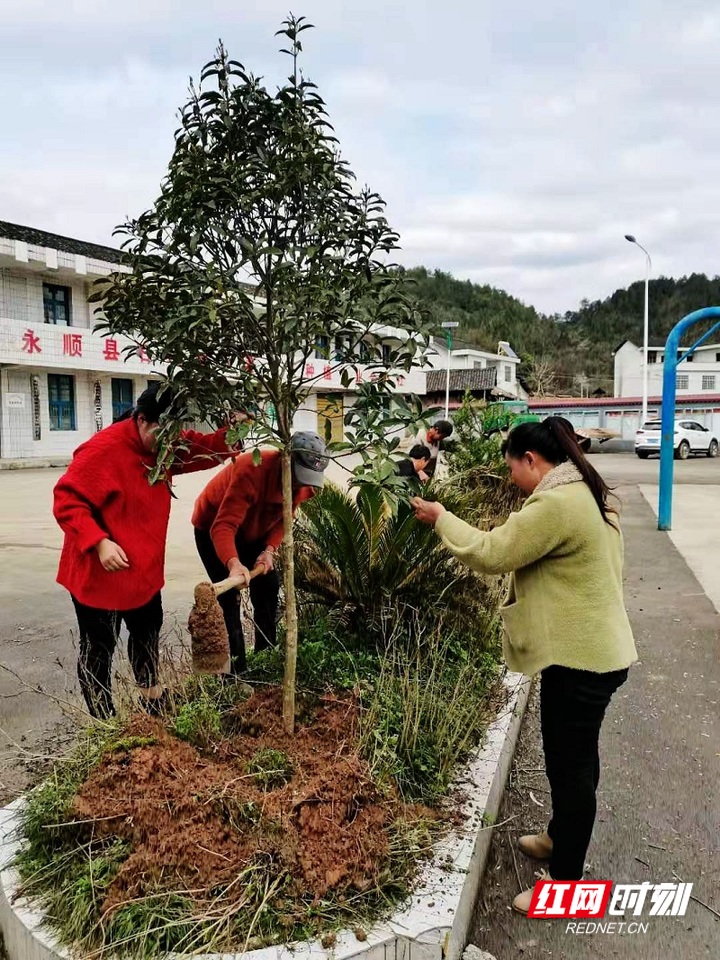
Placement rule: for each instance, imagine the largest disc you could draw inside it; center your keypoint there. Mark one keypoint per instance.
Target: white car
(691, 437)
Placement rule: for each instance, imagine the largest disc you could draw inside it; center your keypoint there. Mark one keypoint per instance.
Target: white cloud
(515, 143)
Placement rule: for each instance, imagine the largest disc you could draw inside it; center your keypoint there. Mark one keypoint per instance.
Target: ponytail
(554, 439)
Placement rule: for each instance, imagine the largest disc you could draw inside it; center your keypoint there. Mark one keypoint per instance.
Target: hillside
(561, 353)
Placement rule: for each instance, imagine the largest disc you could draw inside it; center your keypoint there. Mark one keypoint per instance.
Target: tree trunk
(291, 621)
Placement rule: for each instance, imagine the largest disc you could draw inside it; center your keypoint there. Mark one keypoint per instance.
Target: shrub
(364, 569)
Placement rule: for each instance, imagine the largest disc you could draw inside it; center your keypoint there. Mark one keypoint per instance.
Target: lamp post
(648, 266)
(448, 328)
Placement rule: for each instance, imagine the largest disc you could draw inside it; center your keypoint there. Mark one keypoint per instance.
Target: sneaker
(539, 846)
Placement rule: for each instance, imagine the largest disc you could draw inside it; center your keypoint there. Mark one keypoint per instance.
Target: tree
(540, 374)
(259, 256)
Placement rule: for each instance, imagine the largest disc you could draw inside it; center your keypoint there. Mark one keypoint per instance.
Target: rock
(475, 953)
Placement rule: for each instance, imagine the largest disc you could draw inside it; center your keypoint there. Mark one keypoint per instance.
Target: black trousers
(99, 631)
(264, 593)
(572, 708)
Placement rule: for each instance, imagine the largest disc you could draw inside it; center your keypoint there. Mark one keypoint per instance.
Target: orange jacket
(246, 499)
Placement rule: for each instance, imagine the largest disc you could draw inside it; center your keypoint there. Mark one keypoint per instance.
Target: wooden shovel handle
(236, 583)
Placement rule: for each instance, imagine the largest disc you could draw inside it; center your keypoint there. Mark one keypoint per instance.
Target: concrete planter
(433, 926)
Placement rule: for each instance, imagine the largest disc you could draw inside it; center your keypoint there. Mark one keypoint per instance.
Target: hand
(427, 511)
(236, 569)
(266, 559)
(422, 476)
(240, 416)
(112, 557)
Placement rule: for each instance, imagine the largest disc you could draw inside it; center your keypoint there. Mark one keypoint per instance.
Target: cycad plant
(370, 569)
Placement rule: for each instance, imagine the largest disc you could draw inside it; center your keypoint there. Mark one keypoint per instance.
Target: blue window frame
(61, 402)
(122, 397)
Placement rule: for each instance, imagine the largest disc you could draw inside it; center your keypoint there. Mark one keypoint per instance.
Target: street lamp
(648, 266)
(448, 328)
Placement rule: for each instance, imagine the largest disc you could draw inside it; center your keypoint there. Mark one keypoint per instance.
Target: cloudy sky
(515, 142)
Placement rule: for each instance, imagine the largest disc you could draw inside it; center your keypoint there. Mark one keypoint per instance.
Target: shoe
(521, 903)
(539, 846)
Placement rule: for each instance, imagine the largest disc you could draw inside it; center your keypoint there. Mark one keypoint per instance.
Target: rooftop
(14, 231)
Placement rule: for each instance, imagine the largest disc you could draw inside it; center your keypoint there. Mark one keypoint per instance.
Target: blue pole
(667, 443)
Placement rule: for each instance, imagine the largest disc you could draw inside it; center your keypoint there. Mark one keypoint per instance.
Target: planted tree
(259, 271)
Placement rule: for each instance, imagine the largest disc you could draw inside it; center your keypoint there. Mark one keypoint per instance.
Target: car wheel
(683, 451)
(713, 448)
(643, 454)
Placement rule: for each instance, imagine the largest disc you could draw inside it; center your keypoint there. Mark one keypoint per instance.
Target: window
(56, 304)
(690, 358)
(342, 347)
(61, 402)
(708, 382)
(682, 382)
(652, 356)
(322, 347)
(365, 351)
(717, 358)
(122, 397)
(386, 351)
(508, 373)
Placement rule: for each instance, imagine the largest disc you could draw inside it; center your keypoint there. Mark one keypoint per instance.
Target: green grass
(272, 768)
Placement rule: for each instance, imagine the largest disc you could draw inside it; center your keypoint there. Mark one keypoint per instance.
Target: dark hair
(419, 452)
(554, 439)
(149, 404)
(444, 428)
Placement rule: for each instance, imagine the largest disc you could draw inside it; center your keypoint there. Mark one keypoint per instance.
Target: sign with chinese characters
(324, 376)
(70, 348)
(15, 401)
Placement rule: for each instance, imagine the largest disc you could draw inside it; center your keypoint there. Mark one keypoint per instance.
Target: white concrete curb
(433, 926)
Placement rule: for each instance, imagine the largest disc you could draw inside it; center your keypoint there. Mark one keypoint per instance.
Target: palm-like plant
(369, 568)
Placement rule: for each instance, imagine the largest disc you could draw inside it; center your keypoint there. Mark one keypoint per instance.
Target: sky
(514, 142)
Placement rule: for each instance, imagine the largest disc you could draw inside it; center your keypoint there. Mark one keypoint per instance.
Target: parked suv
(691, 437)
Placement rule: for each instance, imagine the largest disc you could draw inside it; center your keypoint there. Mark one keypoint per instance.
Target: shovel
(208, 634)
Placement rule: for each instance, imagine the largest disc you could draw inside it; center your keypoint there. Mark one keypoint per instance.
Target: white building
(697, 376)
(502, 367)
(59, 381)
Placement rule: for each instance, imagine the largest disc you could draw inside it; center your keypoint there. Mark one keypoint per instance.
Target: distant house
(698, 374)
(485, 375)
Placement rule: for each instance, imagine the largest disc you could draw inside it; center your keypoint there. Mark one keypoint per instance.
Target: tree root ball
(210, 648)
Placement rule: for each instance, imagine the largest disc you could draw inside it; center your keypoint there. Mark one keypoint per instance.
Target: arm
(78, 500)
(240, 497)
(204, 451)
(526, 536)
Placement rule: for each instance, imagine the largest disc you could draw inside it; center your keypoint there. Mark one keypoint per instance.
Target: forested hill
(562, 352)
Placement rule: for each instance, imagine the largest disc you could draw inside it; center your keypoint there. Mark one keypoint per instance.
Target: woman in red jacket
(113, 558)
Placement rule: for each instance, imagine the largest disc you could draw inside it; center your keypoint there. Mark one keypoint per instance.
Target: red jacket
(105, 493)
(246, 498)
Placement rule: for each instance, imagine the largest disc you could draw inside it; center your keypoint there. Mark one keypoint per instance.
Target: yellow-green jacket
(565, 602)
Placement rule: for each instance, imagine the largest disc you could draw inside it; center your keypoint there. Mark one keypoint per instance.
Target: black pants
(99, 632)
(264, 593)
(572, 707)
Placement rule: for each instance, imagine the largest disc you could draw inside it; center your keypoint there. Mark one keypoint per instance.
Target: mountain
(570, 353)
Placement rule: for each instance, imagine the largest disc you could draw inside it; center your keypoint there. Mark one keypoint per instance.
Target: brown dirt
(210, 648)
(197, 820)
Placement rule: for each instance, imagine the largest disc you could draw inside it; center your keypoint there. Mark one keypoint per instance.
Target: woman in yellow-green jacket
(564, 617)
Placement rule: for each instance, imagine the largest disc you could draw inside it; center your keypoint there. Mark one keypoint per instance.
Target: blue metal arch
(670, 363)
